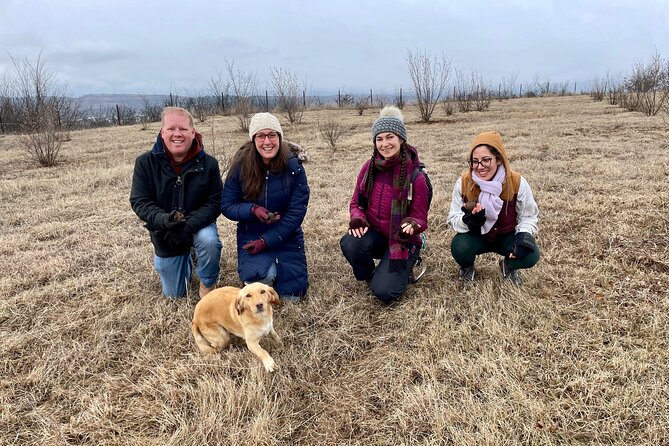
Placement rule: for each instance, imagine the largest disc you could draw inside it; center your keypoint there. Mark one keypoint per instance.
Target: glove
(523, 244)
(264, 215)
(175, 220)
(410, 222)
(357, 222)
(473, 221)
(179, 239)
(255, 246)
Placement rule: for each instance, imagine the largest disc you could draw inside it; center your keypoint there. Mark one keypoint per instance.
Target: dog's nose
(259, 306)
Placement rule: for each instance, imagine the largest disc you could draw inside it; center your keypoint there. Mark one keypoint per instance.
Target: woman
(388, 211)
(266, 192)
(493, 210)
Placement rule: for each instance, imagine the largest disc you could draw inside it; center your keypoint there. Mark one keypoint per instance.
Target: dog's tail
(201, 341)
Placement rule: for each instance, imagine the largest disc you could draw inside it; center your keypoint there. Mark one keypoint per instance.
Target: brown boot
(204, 290)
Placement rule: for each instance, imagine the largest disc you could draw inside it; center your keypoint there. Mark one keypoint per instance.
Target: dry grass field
(91, 354)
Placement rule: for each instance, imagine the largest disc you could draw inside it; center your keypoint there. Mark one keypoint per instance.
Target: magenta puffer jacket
(377, 213)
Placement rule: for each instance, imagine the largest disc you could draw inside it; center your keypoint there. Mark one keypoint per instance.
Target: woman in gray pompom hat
(266, 192)
(388, 211)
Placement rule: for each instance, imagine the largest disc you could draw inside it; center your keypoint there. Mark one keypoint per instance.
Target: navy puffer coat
(287, 193)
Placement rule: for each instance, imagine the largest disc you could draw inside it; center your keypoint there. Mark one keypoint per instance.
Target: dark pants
(360, 252)
(466, 246)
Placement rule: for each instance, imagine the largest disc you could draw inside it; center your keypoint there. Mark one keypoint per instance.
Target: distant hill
(136, 101)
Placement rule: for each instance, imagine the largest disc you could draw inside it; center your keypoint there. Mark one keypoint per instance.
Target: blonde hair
(178, 111)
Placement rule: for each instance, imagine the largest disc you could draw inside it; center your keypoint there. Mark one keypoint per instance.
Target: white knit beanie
(390, 120)
(261, 121)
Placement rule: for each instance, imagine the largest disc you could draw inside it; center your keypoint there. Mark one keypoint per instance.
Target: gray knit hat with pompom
(390, 120)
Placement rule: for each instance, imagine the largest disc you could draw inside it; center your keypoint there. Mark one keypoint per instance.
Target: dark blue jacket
(287, 193)
(157, 188)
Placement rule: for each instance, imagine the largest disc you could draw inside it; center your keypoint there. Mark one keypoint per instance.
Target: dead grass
(91, 354)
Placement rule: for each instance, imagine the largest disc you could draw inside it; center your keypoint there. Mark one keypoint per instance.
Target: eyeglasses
(484, 162)
(260, 137)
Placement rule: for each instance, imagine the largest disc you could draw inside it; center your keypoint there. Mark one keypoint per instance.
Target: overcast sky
(157, 47)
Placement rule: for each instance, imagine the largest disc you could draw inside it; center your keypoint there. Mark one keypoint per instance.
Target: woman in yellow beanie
(493, 210)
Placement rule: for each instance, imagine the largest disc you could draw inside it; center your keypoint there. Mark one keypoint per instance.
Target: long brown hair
(252, 169)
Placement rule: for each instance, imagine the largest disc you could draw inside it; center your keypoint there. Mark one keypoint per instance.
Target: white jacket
(527, 211)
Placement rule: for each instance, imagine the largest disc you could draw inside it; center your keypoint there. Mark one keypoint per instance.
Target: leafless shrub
(361, 104)
(150, 110)
(43, 143)
(613, 89)
(542, 87)
(508, 86)
(447, 105)
(429, 77)
(399, 100)
(288, 94)
(472, 92)
(598, 90)
(647, 86)
(345, 100)
(331, 131)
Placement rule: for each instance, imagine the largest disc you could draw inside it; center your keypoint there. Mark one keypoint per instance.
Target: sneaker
(467, 274)
(420, 267)
(509, 273)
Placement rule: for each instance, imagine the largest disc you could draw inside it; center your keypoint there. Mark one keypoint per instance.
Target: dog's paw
(270, 365)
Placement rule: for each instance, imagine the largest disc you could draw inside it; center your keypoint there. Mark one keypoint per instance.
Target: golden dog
(246, 313)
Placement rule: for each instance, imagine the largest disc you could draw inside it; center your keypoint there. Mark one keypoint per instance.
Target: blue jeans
(176, 272)
(269, 280)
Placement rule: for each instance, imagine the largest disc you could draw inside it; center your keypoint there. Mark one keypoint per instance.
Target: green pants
(465, 247)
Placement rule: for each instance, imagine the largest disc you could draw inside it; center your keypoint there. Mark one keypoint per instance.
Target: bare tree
(288, 94)
(244, 88)
(220, 89)
(429, 77)
(40, 108)
(331, 131)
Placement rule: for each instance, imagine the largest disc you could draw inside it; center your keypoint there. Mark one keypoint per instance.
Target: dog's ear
(274, 296)
(239, 303)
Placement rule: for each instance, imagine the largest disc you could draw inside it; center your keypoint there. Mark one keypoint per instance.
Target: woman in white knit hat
(388, 211)
(266, 192)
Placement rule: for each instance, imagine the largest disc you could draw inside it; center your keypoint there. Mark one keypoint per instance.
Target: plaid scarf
(398, 253)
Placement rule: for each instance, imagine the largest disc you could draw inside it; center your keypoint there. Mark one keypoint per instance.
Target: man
(176, 191)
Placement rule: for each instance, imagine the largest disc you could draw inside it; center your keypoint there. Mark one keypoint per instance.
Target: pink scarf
(489, 196)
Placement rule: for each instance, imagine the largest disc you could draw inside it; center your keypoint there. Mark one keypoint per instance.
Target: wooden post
(339, 98)
(574, 87)
(520, 94)
(371, 102)
(499, 91)
(118, 113)
(304, 98)
(266, 102)
(401, 105)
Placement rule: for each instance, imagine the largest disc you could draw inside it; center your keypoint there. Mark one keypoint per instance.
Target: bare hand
(358, 232)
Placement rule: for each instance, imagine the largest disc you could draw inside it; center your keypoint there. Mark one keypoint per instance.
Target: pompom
(391, 110)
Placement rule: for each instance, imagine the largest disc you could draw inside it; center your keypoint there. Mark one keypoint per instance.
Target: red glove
(356, 223)
(255, 246)
(264, 215)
